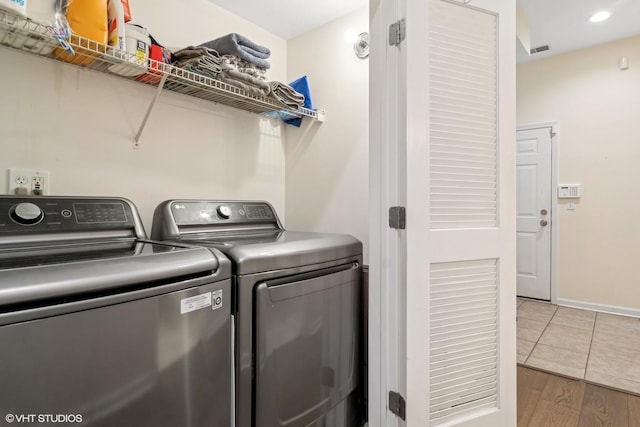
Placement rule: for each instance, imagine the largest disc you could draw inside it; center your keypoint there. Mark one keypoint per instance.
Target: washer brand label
(217, 299)
(190, 304)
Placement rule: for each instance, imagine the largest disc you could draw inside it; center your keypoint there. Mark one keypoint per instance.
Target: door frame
(387, 246)
(555, 214)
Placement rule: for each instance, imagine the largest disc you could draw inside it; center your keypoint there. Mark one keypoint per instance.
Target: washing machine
(101, 327)
(298, 311)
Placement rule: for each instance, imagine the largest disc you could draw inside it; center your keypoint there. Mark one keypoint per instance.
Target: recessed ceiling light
(600, 16)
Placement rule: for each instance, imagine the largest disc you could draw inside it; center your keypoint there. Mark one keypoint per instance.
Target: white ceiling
(562, 24)
(290, 18)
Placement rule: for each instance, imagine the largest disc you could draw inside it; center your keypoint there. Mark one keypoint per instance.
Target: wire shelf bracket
(136, 141)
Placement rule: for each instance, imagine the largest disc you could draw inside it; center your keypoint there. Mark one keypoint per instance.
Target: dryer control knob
(224, 211)
(26, 213)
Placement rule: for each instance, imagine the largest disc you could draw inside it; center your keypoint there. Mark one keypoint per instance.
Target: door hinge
(397, 32)
(397, 217)
(397, 405)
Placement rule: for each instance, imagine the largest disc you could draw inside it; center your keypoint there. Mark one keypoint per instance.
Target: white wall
(327, 178)
(79, 125)
(598, 110)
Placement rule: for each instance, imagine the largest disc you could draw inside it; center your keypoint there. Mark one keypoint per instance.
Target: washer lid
(30, 275)
(256, 252)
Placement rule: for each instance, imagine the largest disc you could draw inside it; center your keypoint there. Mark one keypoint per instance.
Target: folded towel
(196, 52)
(244, 84)
(285, 94)
(201, 60)
(242, 47)
(231, 62)
(301, 86)
(200, 65)
(248, 79)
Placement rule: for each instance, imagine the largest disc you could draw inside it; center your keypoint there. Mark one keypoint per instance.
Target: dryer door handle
(295, 286)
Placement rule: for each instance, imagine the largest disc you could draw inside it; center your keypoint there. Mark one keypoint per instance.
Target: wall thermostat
(569, 191)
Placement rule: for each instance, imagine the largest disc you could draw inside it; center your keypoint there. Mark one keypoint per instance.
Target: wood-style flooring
(546, 400)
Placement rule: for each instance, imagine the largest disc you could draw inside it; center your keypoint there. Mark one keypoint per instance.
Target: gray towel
(287, 95)
(201, 60)
(231, 62)
(244, 85)
(242, 47)
(202, 66)
(196, 52)
(250, 80)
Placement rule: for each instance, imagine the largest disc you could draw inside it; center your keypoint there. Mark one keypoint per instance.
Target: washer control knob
(224, 211)
(26, 213)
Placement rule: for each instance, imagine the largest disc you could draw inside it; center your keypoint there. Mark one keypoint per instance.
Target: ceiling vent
(539, 49)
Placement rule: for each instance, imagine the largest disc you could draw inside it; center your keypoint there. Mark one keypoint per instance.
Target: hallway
(597, 347)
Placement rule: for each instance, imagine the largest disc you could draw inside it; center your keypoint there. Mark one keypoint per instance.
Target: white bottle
(116, 27)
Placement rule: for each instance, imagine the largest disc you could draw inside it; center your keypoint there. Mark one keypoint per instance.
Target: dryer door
(306, 341)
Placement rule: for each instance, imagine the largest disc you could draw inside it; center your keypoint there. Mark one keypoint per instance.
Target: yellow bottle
(87, 19)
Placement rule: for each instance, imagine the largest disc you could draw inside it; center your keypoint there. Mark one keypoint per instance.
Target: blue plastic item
(301, 86)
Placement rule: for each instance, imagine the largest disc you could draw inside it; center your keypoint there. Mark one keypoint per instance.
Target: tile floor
(597, 347)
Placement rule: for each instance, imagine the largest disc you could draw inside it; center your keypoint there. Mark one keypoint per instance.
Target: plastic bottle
(116, 24)
(88, 19)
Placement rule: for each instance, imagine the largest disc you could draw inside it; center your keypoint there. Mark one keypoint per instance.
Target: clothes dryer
(298, 311)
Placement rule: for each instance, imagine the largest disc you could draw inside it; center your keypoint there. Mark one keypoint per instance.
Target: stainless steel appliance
(100, 327)
(298, 311)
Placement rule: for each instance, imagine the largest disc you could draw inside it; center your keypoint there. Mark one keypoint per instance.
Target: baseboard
(611, 309)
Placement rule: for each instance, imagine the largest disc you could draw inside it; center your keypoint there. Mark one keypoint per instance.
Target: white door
(533, 212)
(443, 125)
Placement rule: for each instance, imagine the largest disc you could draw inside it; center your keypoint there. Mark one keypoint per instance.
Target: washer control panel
(222, 212)
(44, 214)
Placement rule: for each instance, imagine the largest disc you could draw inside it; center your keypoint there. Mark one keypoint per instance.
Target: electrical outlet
(37, 185)
(26, 182)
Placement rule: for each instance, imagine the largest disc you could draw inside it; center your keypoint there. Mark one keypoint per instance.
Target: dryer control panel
(194, 212)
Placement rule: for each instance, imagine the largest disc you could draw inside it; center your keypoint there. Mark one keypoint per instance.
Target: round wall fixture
(361, 47)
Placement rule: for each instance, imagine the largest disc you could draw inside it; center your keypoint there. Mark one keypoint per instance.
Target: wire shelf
(26, 35)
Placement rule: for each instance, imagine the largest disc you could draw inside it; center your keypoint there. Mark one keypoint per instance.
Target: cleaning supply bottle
(115, 12)
(88, 19)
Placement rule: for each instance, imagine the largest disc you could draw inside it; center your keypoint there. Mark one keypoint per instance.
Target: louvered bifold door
(464, 213)
(463, 334)
(463, 86)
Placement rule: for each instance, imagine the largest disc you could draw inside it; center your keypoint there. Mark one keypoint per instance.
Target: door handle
(544, 223)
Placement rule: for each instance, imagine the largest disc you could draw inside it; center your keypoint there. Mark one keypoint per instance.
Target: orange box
(127, 10)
